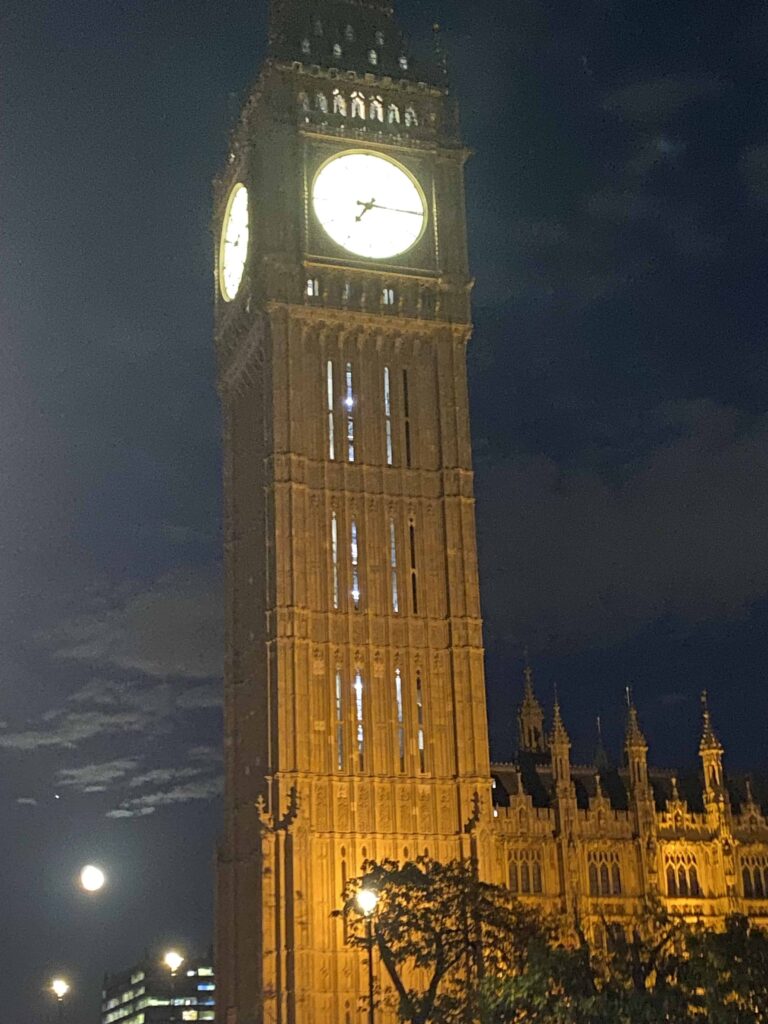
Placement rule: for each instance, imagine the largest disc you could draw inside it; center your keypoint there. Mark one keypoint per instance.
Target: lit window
(349, 405)
(393, 566)
(189, 1014)
(376, 109)
(303, 102)
(393, 114)
(207, 987)
(358, 105)
(379, 38)
(373, 57)
(355, 560)
(411, 120)
(400, 718)
(305, 47)
(336, 50)
(329, 406)
(346, 291)
(388, 296)
(358, 687)
(349, 34)
(339, 723)
(339, 103)
(388, 418)
(420, 724)
(205, 971)
(313, 287)
(335, 559)
(321, 102)
(403, 63)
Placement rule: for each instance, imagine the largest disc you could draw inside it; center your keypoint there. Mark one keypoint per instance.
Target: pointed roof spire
(559, 734)
(708, 739)
(634, 735)
(530, 715)
(602, 761)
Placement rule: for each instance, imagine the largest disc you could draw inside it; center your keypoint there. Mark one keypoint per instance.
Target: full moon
(92, 878)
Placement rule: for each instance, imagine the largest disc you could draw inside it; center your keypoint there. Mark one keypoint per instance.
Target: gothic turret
(637, 753)
(530, 719)
(560, 751)
(711, 754)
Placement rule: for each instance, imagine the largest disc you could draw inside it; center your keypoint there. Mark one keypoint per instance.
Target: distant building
(149, 994)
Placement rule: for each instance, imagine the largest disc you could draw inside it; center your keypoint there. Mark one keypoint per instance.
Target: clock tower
(355, 716)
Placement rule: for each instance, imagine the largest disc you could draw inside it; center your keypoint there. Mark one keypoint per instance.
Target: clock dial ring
(233, 247)
(369, 204)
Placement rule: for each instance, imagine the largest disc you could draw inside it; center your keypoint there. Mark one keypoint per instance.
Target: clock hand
(393, 209)
(365, 208)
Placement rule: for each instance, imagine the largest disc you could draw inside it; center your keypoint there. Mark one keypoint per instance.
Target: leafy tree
(438, 929)
(726, 973)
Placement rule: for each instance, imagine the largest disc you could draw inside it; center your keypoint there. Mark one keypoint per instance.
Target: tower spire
(709, 740)
(530, 715)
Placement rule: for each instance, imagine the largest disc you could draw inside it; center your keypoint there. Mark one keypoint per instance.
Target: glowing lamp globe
(59, 987)
(92, 878)
(173, 960)
(366, 900)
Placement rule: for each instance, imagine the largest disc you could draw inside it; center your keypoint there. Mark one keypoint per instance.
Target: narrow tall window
(407, 419)
(414, 578)
(329, 405)
(376, 109)
(388, 416)
(339, 103)
(393, 566)
(358, 687)
(393, 114)
(420, 725)
(335, 559)
(354, 551)
(358, 105)
(339, 723)
(349, 405)
(411, 120)
(400, 719)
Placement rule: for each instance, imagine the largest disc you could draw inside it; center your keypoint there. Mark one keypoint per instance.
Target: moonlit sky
(618, 213)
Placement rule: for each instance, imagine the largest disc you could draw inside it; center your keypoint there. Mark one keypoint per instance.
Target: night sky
(618, 211)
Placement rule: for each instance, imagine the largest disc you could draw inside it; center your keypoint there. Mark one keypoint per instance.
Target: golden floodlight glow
(92, 878)
(366, 900)
(234, 242)
(369, 205)
(59, 987)
(173, 960)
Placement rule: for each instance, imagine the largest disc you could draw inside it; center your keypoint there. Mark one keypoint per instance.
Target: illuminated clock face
(234, 242)
(369, 205)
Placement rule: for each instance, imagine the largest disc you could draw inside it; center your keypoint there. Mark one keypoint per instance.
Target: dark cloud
(656, 100)
(579, 556)
(171, 627)
(753, 165)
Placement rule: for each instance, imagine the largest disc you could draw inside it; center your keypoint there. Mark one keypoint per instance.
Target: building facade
(149, 993)
(595, 842)
(355, 712)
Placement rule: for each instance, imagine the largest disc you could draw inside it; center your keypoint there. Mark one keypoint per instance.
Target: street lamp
(173, 961)
(367, 901)
(60, 987)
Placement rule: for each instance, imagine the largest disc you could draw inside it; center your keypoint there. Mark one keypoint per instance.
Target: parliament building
(355, 710)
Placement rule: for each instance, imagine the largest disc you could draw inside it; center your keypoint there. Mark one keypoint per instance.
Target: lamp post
(367, 901)
(173, 961)
(60, 987)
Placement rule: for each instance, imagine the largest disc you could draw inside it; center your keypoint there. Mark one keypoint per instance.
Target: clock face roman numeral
(233, 251)
(369, 205)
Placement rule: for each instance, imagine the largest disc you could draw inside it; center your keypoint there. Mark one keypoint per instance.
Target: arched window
(303, 101)
(616, 880)
(525, 877)
(349, 34)
(337, 50)
(513, 876)
(358, 105)
(693, 878)
(393, 114)
(682, 881)
(759, 891)
(379, 38)
(321, 102)
(376, 109)
(339, 103)
(671, 881)
(593, 886)
(536, 876)
(373, 58)
(305, 47)
(313, 288)
(746, 878)
(605, 884)
(411, 120)
(403, 62)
